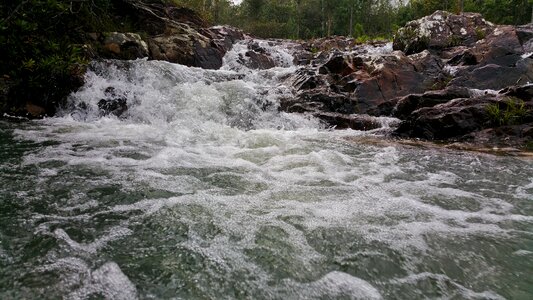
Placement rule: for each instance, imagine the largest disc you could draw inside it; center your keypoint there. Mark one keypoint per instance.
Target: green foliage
(454, 40)
(513, 112)
(480, 34)
(363, 39)
(359, 30)
(441, 83)
(318, 18)
(41, 47)
(529, 146)
(497, 11)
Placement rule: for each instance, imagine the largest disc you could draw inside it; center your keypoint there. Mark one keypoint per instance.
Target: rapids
(202, 189)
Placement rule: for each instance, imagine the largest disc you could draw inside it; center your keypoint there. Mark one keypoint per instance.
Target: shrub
(41, 51)
(512, 114)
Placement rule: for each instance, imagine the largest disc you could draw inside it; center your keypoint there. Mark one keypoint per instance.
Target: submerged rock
(113, 103)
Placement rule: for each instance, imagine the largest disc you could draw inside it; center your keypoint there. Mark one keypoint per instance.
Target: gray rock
(441, 30)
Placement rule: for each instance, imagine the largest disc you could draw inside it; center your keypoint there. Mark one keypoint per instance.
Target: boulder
(338, 63)
(188, 48)
(258, 60)
(501, 47)
(525, 35)
(393, 76)
(441, 30)
(360, 83)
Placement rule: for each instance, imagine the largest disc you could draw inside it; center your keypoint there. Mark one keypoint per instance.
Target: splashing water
(202, 189)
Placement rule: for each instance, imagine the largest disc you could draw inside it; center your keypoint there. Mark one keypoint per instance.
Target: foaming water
(202, 189)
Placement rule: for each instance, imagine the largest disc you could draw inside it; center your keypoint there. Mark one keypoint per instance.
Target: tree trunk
(323, 23)
(351, 20)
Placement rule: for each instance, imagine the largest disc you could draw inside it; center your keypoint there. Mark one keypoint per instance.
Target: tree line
(304, 19)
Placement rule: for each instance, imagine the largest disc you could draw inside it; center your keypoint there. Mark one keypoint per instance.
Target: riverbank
(448, 78)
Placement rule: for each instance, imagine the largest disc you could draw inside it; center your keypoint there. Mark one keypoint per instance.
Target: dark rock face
(496, 77)
(473, 120)
(407, 105)
(448, 120)
(353, 121)
(524, 92)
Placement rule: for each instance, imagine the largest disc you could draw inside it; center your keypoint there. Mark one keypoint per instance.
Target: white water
(276, 205)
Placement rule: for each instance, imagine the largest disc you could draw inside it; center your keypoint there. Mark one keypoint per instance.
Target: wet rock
(190, 49)
(441, 30)
(34, 110)
(406, 105)
(352, 121)
(363, 81)
(306, 79)
(227, 36)
(448, 120)
(460, 119)
(113, 103)
(319, 101)
(515, 136)
(258, 60)
(337, 64)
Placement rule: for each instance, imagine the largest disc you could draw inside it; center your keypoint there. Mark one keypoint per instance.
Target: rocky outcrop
(483, 120)
(456, 78)
(171, 33)
(441, 30)
(360, 82)
(405, 106)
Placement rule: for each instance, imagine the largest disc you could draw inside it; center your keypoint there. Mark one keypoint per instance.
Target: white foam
(448, 286)
(216, 144)
(336, 285)
(92, 248)
(109, 282)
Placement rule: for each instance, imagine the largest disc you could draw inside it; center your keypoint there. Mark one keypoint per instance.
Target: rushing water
(203, 190)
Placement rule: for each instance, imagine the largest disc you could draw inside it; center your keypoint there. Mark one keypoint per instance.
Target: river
(202, 189)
